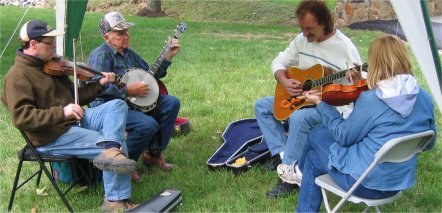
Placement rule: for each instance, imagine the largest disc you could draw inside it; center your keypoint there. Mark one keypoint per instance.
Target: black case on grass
(164, 201)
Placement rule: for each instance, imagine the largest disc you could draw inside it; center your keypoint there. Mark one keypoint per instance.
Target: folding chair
(29, 153)
(395, 150)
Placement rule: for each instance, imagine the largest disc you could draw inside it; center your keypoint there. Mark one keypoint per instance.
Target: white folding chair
(395, 150)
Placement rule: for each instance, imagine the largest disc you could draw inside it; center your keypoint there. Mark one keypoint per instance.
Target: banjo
(132, 75)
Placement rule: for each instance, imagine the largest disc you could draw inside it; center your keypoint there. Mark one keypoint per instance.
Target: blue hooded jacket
(395, 109)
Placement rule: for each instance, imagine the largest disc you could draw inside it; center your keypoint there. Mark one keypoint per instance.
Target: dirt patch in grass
(144, 12)
(250, 36)
(243, 11)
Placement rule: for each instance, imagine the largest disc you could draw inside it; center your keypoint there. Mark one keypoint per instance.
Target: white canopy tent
(413, 23)
(411, 14)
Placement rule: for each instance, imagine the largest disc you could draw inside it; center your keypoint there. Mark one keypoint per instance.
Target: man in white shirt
(319, 43)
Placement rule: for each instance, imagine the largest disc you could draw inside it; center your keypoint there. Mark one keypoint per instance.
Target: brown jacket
(35, 100)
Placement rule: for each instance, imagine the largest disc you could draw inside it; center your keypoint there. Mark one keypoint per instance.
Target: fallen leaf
(80, 189)
(41, 192)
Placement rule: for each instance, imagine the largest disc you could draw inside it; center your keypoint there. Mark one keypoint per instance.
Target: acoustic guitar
(312, 78)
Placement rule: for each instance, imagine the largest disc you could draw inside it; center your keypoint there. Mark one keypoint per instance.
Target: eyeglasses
(48, 43)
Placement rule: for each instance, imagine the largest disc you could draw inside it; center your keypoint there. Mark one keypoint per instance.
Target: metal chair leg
(39, 177)
(62, 195)
(325, 198)
(366, 209)
(83, 173)
(14, 187)
(377, 209)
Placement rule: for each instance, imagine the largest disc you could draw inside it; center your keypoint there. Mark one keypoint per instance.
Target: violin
(60, 67)
(335, 94)
(339, 94)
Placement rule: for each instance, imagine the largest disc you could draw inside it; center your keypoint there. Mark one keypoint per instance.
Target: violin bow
(349, 69)
(74, 42)
(348, 72)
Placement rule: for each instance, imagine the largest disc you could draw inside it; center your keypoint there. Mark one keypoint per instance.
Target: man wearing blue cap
(42, 105)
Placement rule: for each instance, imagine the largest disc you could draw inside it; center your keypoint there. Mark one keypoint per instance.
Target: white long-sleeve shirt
(337, 53)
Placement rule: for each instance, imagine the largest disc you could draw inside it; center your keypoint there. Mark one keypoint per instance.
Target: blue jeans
(300, 124)
(141, 128)
(313, 163)
(102, 123)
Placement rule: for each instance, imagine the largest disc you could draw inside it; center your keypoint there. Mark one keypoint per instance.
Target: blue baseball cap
(35, 28)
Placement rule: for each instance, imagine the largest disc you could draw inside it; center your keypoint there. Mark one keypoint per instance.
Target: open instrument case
(243, 146)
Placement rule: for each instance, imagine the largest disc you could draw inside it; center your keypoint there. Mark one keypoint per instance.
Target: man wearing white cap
(42, 105)
(148, 133)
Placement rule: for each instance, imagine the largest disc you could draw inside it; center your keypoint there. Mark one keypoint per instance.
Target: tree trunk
(154, 5)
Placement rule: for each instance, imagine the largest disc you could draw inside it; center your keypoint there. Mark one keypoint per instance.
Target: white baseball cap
(113, 21)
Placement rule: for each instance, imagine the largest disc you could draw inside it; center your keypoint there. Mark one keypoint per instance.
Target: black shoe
(272, 163)
(282, 189)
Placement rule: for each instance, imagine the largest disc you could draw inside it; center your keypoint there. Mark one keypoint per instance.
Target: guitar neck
(328, 79)
(335, 76)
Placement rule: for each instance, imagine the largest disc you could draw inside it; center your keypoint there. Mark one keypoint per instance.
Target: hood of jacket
(399, 93)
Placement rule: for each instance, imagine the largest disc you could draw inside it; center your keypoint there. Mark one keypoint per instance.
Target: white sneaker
(290, 173)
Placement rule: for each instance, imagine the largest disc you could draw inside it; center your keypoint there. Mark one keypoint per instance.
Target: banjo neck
(156, 65)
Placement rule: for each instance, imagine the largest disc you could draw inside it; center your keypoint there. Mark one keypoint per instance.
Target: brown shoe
(156, 159)
(114, 160)
(117, 206)
(135, 176)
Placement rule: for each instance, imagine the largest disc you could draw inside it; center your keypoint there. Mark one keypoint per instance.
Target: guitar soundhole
(307, 85)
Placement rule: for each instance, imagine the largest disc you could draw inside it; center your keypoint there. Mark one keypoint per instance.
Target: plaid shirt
(106, 58)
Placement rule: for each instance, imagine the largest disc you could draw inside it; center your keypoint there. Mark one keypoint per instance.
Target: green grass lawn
(220, 72)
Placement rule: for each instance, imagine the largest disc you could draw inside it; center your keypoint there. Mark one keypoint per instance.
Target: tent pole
(431, 39)
(60, 13)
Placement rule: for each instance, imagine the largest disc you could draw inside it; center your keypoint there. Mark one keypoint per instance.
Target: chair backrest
(30, 146)
(403, 148)
(395, 150)
(399, 149)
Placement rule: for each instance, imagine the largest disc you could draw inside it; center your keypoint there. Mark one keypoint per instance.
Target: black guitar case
(164, 201)
(242, 138)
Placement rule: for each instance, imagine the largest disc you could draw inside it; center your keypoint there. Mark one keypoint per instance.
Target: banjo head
(148, 102)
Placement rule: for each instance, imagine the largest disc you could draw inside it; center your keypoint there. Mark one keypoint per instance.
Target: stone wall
(25, 3)
(352, 11)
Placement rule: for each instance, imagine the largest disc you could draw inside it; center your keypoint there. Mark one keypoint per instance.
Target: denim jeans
(313, 163)
(300, 123)
(141, 128)
(102, 123)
